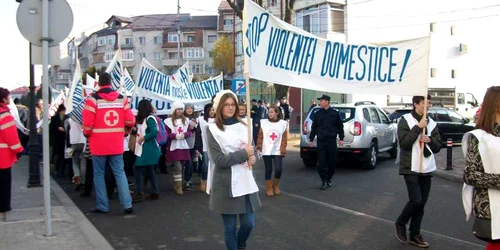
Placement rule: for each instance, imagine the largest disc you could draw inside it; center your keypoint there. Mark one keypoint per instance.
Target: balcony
(127, 46)
(170, 62)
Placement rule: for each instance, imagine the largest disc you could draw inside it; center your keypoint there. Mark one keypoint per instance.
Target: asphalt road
(358, 212)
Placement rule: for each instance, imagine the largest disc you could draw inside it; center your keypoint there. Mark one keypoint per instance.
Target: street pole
(46, 167)
(178, 33)
(34, 143)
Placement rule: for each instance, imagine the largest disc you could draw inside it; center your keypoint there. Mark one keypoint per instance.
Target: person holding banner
(232, 187)
(327, 124)
(208, 118)
(177, 127)
(106, 119)
(271, 142)
(10, 148)
(417, 173)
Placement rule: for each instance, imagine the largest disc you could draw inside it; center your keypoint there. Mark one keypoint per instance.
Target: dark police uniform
(327, 124)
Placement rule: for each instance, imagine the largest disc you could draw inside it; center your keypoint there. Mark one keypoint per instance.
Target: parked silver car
(367, 129)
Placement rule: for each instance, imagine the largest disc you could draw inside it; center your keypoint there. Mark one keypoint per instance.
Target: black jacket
(327, 124)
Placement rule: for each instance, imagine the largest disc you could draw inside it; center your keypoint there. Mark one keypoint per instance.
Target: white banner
(129, 83)
(161, 90)
(75, 94)
(281, 53)
(183, 75)
(91, 85)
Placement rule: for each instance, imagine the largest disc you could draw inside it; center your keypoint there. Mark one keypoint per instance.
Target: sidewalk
(458, 163)
(25, 226)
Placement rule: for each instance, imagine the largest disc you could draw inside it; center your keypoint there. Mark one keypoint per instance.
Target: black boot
(324, 185)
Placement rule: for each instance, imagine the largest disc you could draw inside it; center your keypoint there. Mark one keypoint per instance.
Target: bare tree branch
(236, 9)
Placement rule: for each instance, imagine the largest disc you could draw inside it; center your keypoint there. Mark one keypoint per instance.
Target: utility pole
(34, 142)
(178, 33)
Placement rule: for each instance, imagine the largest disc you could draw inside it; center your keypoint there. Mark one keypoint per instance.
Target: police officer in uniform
(327, 124)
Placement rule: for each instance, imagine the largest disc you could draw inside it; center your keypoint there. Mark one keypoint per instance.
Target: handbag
(482, 229)
(131, 142)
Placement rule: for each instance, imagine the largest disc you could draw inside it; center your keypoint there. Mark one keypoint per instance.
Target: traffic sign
(238, 86)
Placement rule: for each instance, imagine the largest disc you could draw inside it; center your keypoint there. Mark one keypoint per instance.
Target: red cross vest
(9, 139)
(272, 136)
(105, 116)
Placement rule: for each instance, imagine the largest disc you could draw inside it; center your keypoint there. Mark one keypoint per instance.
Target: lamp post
(34, 143)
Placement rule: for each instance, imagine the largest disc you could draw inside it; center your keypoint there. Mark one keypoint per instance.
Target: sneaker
(189, 186)
(401, 233)
(329, 183)
(419, 241)
(324, 186)
(128, 210)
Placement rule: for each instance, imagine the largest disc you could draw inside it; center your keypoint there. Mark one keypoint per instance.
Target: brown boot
(203, 186)
(137, 198)
(178, 187)
(276, 184)
(269, 188)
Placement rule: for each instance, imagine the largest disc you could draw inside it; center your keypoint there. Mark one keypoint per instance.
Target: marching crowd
(114, 145)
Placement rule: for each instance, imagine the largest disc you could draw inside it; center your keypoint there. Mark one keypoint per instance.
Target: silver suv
(367, 129)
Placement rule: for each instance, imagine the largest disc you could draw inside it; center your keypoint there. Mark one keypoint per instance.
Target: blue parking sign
(238, 87)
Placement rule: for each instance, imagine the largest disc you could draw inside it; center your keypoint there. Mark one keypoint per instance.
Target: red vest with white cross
(105, 117)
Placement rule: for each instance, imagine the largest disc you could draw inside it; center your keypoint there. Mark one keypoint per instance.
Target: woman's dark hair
(4, 93)
(206, 111)
(144, 110)
(489, 109)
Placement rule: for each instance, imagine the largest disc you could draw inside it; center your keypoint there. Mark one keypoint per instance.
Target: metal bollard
(449, 146)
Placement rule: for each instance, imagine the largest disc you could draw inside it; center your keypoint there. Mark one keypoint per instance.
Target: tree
(237, 6)
(223, 55)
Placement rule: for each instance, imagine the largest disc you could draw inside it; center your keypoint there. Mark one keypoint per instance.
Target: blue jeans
(139, 185)
(116, 163)
(204, 170)
(235, 239)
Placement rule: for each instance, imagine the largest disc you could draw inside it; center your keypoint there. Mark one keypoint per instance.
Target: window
(442, 116)
(209, 70)
(111, 40)
(128, 55)
(338, 20)
(374, 115)
(157, 56)
(172, 55)
(273, 2)
(172, 38)
(158, 40)
(197, 69)
(228, 24)
(366, 115)
(346, 114)
(455, 117)
(433, 72)
(306, 23)
(193, 53)
(212, 38)
(383, 116)
(239, 43)
(461, 98)
(101, 41)
(191, 39)
(108, 56)
(142, 40)
(142, 55)
(129, 41)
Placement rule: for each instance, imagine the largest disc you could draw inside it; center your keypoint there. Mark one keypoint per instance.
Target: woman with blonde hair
(232, 187)
(177, 147)
(481, 194)
(272, 142)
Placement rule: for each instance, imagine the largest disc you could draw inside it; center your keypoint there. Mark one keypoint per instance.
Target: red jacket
(9, 139)
(106, 115)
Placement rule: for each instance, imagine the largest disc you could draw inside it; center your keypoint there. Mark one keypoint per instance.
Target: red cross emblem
(180, 130)
(111, 118)
(273, 136)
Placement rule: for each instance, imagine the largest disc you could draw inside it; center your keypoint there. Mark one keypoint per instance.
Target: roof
(121, 19)
(224, 5)
(201, 22)
(158, 21)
